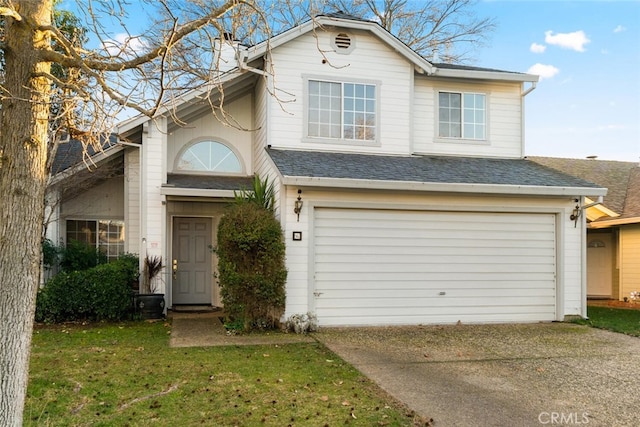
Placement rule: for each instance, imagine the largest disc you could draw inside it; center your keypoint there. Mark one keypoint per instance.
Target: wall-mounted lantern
(297, 208)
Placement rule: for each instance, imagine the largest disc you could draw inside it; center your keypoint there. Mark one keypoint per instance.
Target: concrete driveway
(501, 375)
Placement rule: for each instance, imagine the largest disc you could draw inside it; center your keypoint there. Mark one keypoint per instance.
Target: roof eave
(93, 161)
(196, 192)
(138, 120)
(485, 75)
(524, 190)
(614, 222)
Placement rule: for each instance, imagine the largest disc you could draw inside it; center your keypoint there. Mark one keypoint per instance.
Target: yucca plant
(262, 194)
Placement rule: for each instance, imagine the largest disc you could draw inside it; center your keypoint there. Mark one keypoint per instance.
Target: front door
(192, 275)
(599, 264)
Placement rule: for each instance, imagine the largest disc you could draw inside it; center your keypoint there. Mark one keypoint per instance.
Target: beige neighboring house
(613, 227)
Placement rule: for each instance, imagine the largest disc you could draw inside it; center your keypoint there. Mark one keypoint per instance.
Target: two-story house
(417, 203)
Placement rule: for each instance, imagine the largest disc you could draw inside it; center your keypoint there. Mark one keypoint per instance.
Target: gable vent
(343, 43)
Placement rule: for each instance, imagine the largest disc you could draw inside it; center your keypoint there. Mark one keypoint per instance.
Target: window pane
(348, 90)
(348, 104)
(209, 156)
(454, 99)
(443, 99)
(335, 131)
(371, 92)
(370, 106)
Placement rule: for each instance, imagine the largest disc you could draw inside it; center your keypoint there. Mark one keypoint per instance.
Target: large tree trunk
(23, 143)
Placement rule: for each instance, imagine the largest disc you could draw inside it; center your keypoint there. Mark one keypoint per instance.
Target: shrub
(50, 254)
(251, 266)
(77, 256)
(99, 293)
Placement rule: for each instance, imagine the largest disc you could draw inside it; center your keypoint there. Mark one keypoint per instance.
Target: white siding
(370, 61)
(132, 200)
(504, 110)
(153, 214)
(629, 260)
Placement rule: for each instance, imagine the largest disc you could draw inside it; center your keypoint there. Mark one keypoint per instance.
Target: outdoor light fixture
(297, 208)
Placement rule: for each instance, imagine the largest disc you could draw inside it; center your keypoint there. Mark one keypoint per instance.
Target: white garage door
(383, 267)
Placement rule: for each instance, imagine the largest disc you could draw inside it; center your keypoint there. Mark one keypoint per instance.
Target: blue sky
(588, 99)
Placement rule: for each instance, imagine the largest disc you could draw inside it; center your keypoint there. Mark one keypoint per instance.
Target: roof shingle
(621, 178)
(427, 169)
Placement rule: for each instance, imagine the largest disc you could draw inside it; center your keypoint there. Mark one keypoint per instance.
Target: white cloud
(537, 48)
(122, 43)
(544, 71)
(619, 29)
(574, 41)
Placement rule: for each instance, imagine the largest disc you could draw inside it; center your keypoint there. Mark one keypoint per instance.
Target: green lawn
(126, 374)
(614, 319)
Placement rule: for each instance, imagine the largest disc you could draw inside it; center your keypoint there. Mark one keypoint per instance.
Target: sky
(587, 54)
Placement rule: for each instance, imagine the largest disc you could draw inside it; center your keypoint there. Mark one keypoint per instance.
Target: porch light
(297, 208)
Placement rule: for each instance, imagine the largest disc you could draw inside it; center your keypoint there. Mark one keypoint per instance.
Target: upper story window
(462, 115)
(208, 156)
(342, 110)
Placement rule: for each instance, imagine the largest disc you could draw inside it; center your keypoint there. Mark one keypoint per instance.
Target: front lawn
(126, 374)
(625, 321)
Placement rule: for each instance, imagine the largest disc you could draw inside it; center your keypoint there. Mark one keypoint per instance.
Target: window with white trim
(462, 115)
(208, 156)
(342, 110)
(106, 235)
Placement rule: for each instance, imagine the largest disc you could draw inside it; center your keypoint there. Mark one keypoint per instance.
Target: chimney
(225, 54)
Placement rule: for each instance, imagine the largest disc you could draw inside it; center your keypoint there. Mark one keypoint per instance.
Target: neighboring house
(613, 229)
(417, 203)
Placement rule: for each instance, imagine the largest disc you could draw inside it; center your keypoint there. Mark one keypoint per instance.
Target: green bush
(251, 266)
(77, 256)
(99, 293)
(50, 254)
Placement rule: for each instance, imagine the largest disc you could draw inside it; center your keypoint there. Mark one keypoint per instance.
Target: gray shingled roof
(423, 169)
(209, 182)
(621, 178)
(72, 152)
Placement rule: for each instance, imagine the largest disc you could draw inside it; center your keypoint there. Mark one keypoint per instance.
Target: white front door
(191, 264)
(599, 264)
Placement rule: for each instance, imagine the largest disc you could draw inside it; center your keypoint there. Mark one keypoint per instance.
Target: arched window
(209, 156)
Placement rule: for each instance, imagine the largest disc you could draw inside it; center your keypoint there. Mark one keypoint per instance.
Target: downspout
(522, 95)
(583, 263)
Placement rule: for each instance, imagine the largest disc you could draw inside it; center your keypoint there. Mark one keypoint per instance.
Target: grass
(625, 321)
(126, 374)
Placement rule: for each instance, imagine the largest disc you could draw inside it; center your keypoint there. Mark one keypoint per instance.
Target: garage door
(383, 267)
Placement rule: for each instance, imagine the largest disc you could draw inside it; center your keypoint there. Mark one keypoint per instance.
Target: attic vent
(343, 43)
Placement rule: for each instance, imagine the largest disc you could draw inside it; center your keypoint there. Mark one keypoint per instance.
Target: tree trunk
(23, 148)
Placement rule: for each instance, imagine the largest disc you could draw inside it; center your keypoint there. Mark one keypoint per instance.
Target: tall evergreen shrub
(251, 266)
